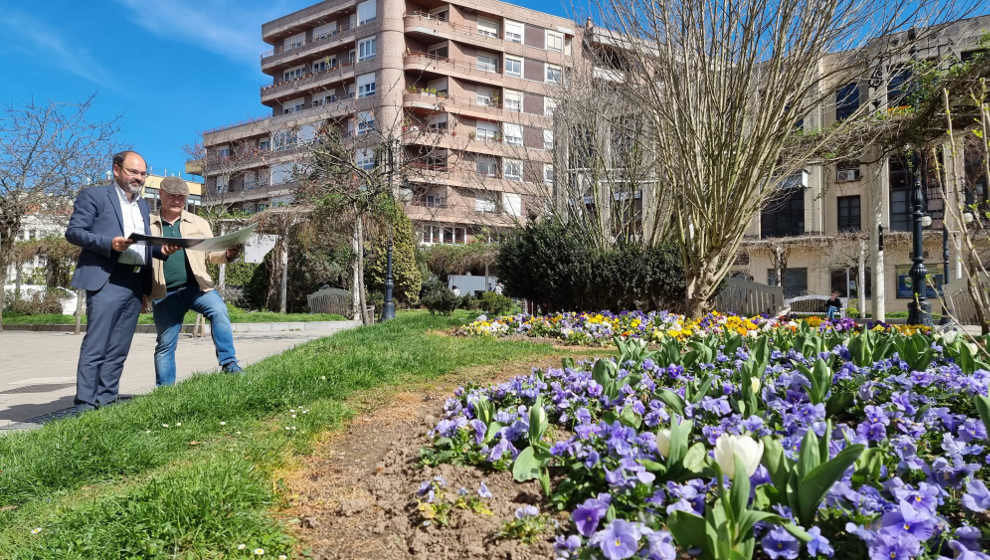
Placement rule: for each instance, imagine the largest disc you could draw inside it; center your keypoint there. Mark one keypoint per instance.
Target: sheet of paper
(232, 239)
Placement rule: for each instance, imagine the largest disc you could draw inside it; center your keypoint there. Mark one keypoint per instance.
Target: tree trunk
(366, 318)
(284, 282)
(700, 283)
(358, 314)
(18, 280)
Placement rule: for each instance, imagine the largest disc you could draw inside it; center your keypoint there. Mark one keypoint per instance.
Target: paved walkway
(38, 369)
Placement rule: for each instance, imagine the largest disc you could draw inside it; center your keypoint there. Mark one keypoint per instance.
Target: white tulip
(754, 382)
(729, 446)
(663, 442)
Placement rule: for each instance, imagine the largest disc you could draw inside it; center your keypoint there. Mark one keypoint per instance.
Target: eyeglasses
(134, 172)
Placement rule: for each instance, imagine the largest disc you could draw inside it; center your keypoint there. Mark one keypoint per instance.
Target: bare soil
(355, 497)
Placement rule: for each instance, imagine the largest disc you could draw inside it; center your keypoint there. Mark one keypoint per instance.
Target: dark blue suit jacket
(95, 221)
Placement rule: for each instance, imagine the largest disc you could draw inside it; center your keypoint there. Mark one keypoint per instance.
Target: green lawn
(186, 472)
(237, 315)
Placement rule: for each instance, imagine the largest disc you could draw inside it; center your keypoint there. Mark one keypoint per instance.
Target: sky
(165, 69)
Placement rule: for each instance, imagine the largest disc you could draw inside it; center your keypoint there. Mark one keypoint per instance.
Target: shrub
(469, 301)
(441, 300)
(496, 304)
(559, 268)
(405, 272)
(38, 304)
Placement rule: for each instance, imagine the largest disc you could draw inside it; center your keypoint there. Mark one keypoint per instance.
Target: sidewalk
(38, 369)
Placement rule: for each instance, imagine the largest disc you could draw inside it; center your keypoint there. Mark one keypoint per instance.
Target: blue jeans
(169, 312)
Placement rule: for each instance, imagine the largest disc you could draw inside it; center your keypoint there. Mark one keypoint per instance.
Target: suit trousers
(112, 314)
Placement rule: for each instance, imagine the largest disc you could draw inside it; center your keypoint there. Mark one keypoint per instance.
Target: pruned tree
(723, 83)
(357, 171)
(47, 153)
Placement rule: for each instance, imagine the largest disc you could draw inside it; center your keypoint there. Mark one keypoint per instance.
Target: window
(366, 85)
(294, 72)
(548, 173)
(512, 169)
(845, 172)
(513, 66)
(324, 64)
(547, 139)
(293, 106)
(549, 106)
(904, 285)
(845, 281)
(325, 31)
(366, 11)
(366, 48)
(795, 281)
(513, 101)
(849, 217)
(264, 144)
(484, 97)
(554, 41)
(250, 180)
(364, 158)
(484, 204)
(294, 42)
(553, 74)
(223, 182)
(434, 201)
(365, 122)
(512, 203)
(486, 166)
(514, 31)
(846, 101)
(900, 194)
(513, 134)
(223, 153)
(486, 130)
(783, 215)
(283, 139)
(488, 27)
(897, 87)
(330, 98)
(487, 63)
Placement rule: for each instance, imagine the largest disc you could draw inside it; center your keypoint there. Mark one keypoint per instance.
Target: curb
(238, 328)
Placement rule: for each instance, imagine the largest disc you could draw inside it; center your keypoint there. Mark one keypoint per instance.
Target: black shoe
(79, 409)
(232, 367)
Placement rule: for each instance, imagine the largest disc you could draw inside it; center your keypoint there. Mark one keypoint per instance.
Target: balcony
(340, 72)
(446, 66)
(426, 24)
(467, 105)
(300, 19)
(270, 59)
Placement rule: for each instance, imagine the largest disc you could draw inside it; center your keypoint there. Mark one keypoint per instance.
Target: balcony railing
(302, 16)
(306, 79)
(271, 57)
(438, 62)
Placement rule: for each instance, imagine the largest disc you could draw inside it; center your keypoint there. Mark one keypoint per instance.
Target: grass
(118, 483)
(237, 315)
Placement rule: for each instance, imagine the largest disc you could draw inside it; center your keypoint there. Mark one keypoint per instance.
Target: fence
(330, 300)
(743, 297)
(961, 305)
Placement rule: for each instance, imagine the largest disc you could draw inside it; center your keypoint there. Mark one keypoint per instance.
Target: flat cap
(175, 185)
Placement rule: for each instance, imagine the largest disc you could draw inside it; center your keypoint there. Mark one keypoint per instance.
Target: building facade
(466, 85)
(830, 220)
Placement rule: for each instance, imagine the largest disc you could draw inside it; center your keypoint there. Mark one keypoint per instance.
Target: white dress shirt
(133, 223)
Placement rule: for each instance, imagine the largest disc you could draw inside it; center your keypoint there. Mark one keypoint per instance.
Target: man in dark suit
(114, 271)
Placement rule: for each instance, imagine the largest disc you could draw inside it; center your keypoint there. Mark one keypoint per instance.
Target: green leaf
(983, 407)
(493, 429)
(567, 363)
(751, 517)
(689, 531)
(630, 418)
(602, 372)
(798, 532)
(537, 421)
(813, 486)
(526, 467)
(776, 462)
(740, 488)
(680, 432)
(694, 459)
(809, 459)
(673, 400)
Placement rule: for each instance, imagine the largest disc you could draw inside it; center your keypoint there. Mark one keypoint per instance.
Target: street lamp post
(388, 310)
(918, 310)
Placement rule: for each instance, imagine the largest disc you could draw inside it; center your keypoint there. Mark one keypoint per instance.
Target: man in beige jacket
(181, 283)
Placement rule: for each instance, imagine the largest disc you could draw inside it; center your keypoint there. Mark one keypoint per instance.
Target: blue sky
(169, 69)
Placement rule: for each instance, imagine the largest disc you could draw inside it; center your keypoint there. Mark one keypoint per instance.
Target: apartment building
(826, 223)
(466, 85)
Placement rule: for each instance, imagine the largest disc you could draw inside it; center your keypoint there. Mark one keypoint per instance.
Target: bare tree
(47, 153)
(357, 171)
(723, 83)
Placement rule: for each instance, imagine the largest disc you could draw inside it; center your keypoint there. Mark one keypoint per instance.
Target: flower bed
(776, 441)
(600, 328)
